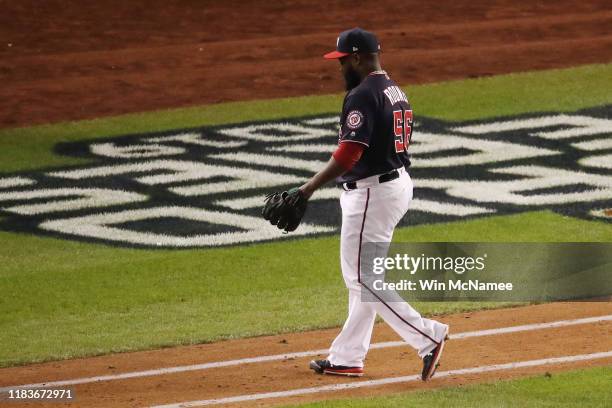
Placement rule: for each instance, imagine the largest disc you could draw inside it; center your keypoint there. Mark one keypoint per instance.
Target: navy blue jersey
(378, 115)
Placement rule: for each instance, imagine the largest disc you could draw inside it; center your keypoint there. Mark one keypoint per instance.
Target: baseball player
(370, 165)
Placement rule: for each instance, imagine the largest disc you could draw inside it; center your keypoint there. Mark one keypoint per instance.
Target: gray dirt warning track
(484, 346)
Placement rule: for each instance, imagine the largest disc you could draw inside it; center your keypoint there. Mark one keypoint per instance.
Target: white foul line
(386, 381)
(276, 357)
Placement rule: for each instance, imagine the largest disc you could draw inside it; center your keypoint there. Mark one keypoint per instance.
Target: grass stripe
(552, 90)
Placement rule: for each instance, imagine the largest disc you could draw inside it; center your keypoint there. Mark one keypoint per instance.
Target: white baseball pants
(370, 214)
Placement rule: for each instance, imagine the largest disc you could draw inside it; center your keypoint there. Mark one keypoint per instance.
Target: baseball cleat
(325, 367)
(432, 360)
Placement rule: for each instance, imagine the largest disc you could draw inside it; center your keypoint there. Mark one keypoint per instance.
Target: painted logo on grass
(205, 187)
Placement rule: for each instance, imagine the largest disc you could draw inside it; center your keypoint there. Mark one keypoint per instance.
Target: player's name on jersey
(395, 95)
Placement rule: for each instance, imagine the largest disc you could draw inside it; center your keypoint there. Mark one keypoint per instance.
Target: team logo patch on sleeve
(354, 119)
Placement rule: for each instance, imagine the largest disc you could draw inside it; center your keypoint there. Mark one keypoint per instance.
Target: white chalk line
(386, 381)
(277, 357)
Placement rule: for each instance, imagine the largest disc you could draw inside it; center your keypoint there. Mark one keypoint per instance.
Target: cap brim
(335, 55)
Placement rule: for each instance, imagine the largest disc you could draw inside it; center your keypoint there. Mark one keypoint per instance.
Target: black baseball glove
(286, 209)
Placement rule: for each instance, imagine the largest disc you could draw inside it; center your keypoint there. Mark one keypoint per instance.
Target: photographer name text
(437, 286)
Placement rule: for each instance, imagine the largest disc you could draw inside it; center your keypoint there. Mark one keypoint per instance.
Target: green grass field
(583, 388)
(63, 299)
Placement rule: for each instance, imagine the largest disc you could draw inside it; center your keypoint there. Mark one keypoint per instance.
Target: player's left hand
(286, 209)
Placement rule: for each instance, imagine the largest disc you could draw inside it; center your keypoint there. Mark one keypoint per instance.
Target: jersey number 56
(402, 126)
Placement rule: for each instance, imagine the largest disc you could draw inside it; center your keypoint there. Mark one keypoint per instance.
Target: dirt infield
(68, 60)
(470, 348)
